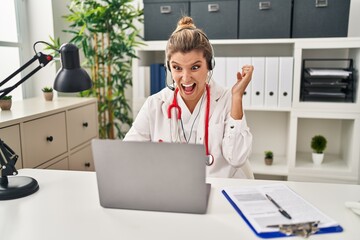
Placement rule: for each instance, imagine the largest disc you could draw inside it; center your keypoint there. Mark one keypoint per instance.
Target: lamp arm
(44, 59)
(8, 160)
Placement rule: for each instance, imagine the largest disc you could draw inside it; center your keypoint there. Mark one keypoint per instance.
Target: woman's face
(190, 72)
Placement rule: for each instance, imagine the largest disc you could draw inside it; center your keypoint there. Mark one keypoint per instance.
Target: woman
(197, 110)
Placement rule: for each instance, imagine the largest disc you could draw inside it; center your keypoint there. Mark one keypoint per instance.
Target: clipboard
(276, 233)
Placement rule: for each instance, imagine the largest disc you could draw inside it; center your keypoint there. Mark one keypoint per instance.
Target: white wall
(40, 27)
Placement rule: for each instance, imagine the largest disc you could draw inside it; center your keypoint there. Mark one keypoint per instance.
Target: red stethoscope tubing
(175, 104)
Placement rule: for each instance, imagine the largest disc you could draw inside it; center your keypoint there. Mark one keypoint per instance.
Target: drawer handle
(321, 3)
(271, 93)
(49, 138)
(213, 7)
(87, 164)
(257, 93)
(285, 94)
(165, 9)
(264, 5)
(85, 124)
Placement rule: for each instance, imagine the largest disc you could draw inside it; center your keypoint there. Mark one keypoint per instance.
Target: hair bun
(185, 22)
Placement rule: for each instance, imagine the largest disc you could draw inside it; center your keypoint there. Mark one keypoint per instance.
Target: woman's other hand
(238, 90)
(243, 79)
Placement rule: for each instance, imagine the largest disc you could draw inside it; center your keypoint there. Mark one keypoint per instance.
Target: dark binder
(157, 77)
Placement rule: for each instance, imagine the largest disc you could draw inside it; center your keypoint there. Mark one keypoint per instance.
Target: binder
(257, 89)
(219, 75)
(242, 61)
(271, 81)
(275, 233)
(232, 67)
(143, 83)
(157, 77)
(285, 81)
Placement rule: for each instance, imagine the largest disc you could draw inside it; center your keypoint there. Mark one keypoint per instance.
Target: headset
(210, 64)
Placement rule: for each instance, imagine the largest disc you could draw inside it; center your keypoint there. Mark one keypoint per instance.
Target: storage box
(217, 18)
(265, 19)
(320, 18)
(161, 17)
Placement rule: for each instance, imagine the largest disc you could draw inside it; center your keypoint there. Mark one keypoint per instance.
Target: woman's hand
(243, 80)
(238, 90)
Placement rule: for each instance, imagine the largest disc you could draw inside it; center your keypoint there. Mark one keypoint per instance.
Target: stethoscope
(210, 160)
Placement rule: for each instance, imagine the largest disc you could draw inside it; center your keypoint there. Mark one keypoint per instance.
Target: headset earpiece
(212, 62)
(168, 66)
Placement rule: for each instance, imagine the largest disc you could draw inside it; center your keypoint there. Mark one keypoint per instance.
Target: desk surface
(67, 207)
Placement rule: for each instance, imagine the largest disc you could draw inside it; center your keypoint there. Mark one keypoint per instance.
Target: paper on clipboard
(260, 213)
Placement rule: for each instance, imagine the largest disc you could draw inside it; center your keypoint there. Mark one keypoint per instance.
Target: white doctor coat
(229, 140)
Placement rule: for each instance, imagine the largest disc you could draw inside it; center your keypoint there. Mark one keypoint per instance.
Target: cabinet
(48, 134)
(287, 129)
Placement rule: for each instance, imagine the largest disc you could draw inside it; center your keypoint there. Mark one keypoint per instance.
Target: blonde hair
(186, 38)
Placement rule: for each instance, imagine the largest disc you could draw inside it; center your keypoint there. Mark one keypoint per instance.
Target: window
(10, 45)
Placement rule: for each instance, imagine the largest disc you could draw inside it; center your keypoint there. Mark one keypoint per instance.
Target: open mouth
(188, 88)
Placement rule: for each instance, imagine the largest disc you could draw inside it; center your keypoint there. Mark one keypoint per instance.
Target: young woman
(197, 110)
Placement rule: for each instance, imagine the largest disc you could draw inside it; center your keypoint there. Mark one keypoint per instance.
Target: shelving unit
(288, 131)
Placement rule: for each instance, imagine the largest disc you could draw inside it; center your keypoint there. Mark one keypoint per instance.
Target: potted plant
(318, 145)
(269, 156)
(6, 102)
(108, 35)
(48, 93)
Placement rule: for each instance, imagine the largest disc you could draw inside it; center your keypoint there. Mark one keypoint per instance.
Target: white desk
(67, 207)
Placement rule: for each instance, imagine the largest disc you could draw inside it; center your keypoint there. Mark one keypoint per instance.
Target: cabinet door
(11, 136)
(82, 160)
(82, 125)
(44, 139)
(63, 164)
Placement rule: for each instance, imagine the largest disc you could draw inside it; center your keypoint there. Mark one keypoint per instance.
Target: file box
(218, 18)
(161, 17)
(320, 18)
(265, 19)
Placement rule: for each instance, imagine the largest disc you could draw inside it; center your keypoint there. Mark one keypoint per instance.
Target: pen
(281, 210)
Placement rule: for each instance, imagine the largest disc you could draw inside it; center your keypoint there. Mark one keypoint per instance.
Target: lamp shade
(71, 77)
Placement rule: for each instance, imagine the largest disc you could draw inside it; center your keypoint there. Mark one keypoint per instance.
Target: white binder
(141, 82)
(219, 71)
(285, 81)
(232, 67)
(271, 81)
(242, 61)
(257, 88)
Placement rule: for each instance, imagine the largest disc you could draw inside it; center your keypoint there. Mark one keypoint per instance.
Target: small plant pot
(48, 96)
(268, 161)
(5, 104)
(317, 158)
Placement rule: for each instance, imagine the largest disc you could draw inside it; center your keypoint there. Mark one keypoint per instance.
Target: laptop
(167, 177)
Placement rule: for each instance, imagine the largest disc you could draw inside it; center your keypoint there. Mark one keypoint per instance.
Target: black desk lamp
(70, 78)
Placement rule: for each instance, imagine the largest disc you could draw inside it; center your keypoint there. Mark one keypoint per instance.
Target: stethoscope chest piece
(209, 160)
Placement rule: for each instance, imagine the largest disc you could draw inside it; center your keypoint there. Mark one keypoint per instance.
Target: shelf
(287, 131)
(332, 163)
(332, 169)
(278, 168)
